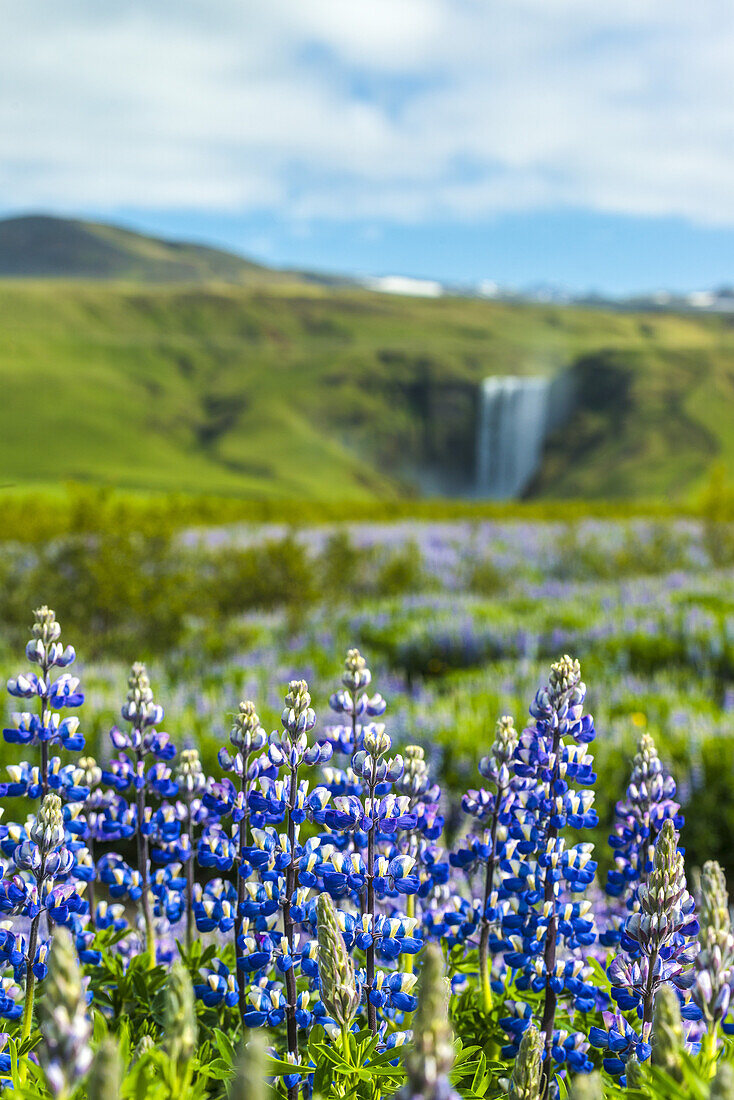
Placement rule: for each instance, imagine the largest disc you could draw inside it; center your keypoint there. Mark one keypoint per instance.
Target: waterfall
(515, 417)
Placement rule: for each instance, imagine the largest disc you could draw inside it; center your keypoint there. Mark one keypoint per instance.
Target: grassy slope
(289, 390)
(49, 247)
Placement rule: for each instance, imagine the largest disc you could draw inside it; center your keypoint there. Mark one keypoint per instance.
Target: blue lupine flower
(539, 868)
(46, 728)
(269, 861)
(493, 810)
(621, 1040)
(367, 822)
(131, 772)
(218, 987)
(663, 929)
(223, 845)
(40, 860)
(650, 800)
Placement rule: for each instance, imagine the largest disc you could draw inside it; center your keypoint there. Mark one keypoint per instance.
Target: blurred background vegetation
(459, 609)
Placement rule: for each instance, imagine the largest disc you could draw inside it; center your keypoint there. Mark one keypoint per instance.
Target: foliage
(650, 607)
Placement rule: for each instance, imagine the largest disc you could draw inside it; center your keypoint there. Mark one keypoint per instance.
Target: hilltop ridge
(48, 247)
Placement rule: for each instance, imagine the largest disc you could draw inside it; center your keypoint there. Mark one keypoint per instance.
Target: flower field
(360, 826)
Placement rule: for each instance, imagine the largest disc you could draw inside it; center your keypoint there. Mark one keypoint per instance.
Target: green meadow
(295, 391)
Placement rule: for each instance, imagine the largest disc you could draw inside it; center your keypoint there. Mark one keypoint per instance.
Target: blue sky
(522, 141)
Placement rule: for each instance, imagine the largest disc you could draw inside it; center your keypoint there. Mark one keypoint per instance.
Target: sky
(572, 142)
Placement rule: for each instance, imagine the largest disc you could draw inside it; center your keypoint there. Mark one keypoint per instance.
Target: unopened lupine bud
(668, 1040)
(564, 675)
(45, 627)
(415, 771)
(64, 1053)
(298, 715)
(140, 708)
(722, 1086)
(664, 928)
(664, 892)
(47, 830)
(527, 1072)
(377, 741)
(92, 772)
(180, 1017)
(189, 773)
(250, 1080)
(247, 734)
(356, 674)
(587, 1086)
(431, 1055)
(105, 1075)
(505, 738)
(495, 766)
(339, 991)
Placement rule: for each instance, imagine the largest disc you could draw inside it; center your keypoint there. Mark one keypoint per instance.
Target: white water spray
(515, 417)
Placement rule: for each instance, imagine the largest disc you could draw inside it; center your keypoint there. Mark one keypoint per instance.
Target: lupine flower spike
(650, 800)
(225, 848)
(45, 857)
(340, 994)
(280, 872)
(103, 1082)
(191, 784)
(663, 933)
(368, 817)
(65, 1054)
(419, 842)
(180, 1028)
(45, 729)
(250, 1079)
(539, 922)
(526, 1081)
(668, 1040)
(430, 1057)
(496, 812)
(715, 961)
(131, 770)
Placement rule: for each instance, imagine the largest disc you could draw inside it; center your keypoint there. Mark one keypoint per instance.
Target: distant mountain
(40, 246)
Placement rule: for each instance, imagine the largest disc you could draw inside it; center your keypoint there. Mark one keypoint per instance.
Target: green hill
(279, 391)
(39, 246)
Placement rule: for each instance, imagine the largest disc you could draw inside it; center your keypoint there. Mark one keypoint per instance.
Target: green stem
(291, 882)
(144, 868)
(409, 962)
(485, 967)
(710, 1042)
(190, 924)
(30, 986)
(648, 1003)
(346, 1050)
(30, 983)
(244, 840)
(370, 960)
(549, 954)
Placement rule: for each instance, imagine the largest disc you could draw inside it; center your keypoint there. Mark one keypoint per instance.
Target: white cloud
(402, 109)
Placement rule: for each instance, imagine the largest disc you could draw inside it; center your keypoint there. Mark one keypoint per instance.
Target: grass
(290, 392)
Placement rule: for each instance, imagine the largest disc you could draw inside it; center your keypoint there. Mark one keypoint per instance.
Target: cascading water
(515, 416)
